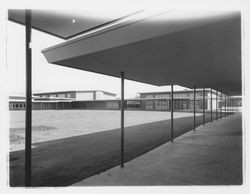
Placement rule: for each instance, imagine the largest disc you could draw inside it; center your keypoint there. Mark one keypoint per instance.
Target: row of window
(64, 95)
(17, 105)
(165, 104)
(176, 95)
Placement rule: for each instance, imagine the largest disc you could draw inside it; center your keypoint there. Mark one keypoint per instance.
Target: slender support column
(231, 111)
(231, 107)
(221, 99)
(216, 106)
(225, 104)
(28, 110)
(211, 106)
(231, 104)
(122, 119)
(194, 107)
(172, 113)
(203, 101)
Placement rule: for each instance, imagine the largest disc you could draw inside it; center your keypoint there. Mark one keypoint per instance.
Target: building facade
(183, 100)
(79, 95)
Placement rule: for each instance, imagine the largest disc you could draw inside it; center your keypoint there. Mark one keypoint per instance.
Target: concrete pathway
(66, 161)
(210, 156)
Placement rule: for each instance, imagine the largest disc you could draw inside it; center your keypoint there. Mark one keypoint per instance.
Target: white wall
(213, 101)
(85, 96)
(101, 96)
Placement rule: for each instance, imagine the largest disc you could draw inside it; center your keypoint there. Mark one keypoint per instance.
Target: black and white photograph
(124, 97)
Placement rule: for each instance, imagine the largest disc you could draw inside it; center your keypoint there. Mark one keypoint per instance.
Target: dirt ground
(65, 161)
(53, 124)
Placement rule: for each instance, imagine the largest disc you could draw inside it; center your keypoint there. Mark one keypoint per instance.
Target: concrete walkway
(210, 156)
(66, 161)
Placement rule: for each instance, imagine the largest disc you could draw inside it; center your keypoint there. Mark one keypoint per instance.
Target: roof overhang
(201, 49)
(66, 24)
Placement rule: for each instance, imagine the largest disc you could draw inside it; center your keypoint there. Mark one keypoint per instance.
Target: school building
(102, 100)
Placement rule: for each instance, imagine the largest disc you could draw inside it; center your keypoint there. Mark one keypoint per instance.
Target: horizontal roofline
(179, 91)
(80, 91)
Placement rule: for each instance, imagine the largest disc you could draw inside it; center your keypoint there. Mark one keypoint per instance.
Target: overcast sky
(48, 77)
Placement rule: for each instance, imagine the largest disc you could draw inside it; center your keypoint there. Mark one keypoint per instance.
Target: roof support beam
(216, 104)
(231, 107)
(194, 107)
(122, 119)
(221, 104)
(203, 106)
(172, 113)
(225, 105)
(211, 105)
(28, 110)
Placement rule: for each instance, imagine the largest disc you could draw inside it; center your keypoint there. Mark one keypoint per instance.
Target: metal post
(28, 110)
(221, 104)
(203, 106)
(211, 105)
(216, 106)
(231, 105)
(122, 119)
(172, 113)
(225, 104)
(194, 105)
(231, 100)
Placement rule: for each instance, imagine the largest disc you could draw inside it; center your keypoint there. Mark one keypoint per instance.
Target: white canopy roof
(201, 49)
(68, 23)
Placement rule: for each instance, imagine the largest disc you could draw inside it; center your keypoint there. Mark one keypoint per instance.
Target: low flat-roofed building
(183, 99)
(79, 95)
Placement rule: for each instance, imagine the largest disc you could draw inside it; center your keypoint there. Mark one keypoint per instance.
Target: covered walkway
(66, 161)
(212, 155)
(165, 48)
